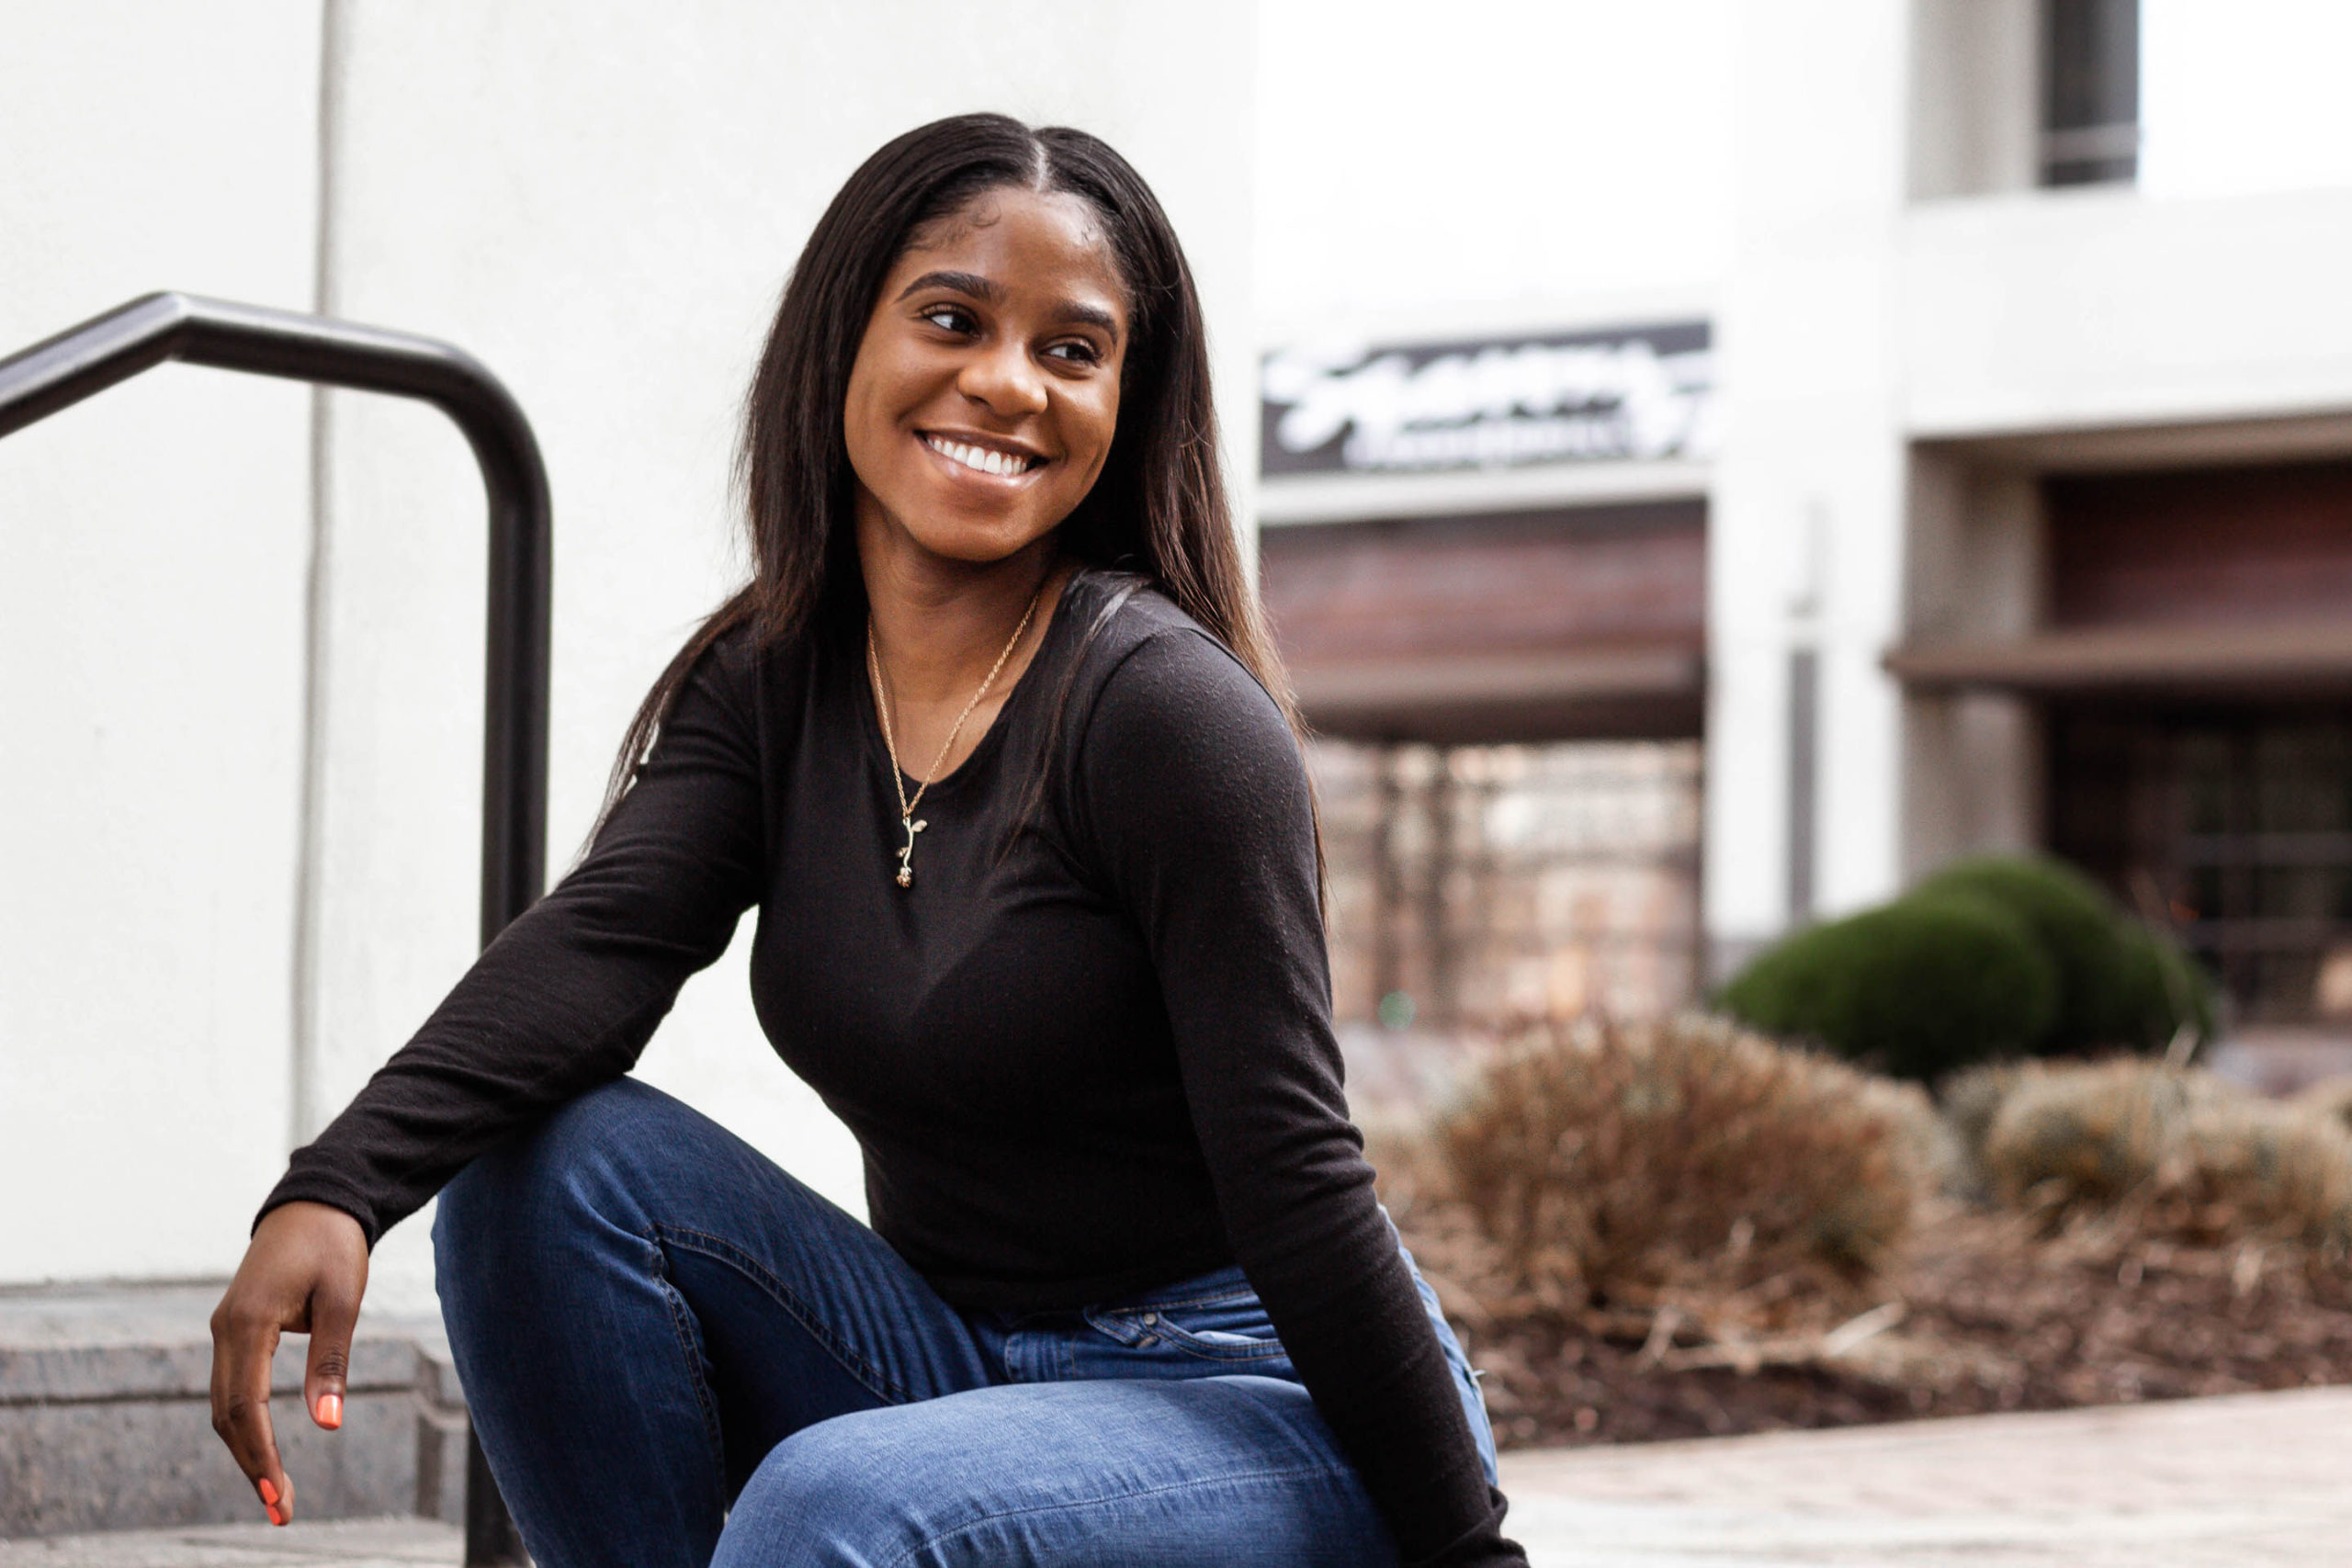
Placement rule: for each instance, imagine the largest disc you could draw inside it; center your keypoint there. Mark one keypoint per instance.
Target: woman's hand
(304, 1271)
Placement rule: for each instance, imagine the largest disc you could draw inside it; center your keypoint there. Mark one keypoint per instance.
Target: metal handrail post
(148, 330)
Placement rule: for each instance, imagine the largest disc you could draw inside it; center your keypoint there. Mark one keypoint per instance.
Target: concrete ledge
(105, 1417)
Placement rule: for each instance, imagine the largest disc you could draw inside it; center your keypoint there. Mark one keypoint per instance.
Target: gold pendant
(906, 855)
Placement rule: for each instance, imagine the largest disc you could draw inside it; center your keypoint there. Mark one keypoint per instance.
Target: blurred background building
(1722, 462)
(1719, 461)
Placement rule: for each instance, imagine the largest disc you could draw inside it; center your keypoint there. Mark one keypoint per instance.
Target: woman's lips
(978, 461)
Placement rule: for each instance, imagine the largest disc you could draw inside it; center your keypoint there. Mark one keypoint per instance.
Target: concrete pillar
(1805, 525)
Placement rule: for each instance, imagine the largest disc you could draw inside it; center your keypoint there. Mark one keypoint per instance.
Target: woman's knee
(826, 1497)
(576, 1162)
(1053, 1474)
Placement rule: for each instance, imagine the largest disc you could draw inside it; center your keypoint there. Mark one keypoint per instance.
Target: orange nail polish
(331, 1410)
(268, 1493)
(275, 1518)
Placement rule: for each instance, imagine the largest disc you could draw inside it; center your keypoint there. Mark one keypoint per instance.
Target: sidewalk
(2250, 1481)
(2237, 1482)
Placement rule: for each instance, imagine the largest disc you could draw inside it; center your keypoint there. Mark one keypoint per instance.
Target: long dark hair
(1159, 507)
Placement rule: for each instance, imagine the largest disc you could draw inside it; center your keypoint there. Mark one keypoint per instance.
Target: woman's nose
(1002, 378)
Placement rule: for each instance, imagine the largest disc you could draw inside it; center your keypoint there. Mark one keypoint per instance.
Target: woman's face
(986, 389)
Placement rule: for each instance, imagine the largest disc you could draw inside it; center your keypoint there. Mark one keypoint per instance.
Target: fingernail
(274, 1516)
(331, 1410)
(268, 1493)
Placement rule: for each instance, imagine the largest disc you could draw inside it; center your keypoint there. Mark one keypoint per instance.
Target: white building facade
(2024, 513)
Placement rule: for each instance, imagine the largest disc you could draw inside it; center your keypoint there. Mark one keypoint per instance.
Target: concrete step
(106, 1417)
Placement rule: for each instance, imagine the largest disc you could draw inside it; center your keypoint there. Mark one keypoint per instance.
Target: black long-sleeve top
(1087, 1053)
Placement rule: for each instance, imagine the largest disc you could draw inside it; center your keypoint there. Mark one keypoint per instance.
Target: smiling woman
(985, 393)
(1127, 1295)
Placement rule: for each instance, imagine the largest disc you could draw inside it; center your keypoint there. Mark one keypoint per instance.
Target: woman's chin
(952, 530)
(978, 546)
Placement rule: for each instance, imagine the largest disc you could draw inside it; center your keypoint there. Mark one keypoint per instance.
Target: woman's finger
(335, 1317)
(242, 1343)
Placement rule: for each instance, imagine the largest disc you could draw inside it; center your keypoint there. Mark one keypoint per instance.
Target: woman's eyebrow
(981, 286)
(970, 283)
(1090, 315)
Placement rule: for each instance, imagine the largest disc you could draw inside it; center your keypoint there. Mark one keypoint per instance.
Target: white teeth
(978, 457)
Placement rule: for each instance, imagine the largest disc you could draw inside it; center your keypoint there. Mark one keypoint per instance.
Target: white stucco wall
(2108, 306)
(152, 551)
(601, 202)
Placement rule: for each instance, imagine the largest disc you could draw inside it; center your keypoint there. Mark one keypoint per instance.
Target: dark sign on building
(1640, 393)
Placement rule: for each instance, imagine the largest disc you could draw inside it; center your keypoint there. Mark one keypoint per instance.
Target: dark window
(2233, 823)
(2090, 96)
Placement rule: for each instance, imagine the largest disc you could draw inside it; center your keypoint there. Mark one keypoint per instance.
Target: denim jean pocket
(1220, 1332)
(1214, 1318)
(1223, 1331)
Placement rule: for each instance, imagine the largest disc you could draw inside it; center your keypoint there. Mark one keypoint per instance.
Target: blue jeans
(677, 1354)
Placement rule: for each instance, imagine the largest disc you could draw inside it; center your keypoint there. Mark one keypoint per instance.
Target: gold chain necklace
(882, 710)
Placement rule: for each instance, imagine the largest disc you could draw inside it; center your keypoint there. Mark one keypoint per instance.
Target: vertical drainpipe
(1804, 721)
(305, 1114)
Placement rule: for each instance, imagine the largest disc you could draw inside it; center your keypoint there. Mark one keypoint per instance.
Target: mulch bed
(1985, 1312)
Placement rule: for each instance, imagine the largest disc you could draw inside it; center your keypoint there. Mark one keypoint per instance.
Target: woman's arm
(563, 1001)
(567, 995)
(1192, 789)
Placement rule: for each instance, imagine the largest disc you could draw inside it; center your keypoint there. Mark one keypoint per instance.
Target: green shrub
(2118, 982)
(2164, 990)
(1917, 988)
(2075, 922)
(1992, 958)
(2331, 1099)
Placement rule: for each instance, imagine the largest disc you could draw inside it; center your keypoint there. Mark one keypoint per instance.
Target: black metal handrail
(86, 359)
(147, 331)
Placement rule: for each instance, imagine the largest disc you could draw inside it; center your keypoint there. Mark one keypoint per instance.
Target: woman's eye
(948, 318)
(1077, 352)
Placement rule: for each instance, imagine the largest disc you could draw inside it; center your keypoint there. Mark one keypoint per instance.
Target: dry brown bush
(1684, 1165)
(1607, 1286)
(2331, 1098)
(2168, 1152)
